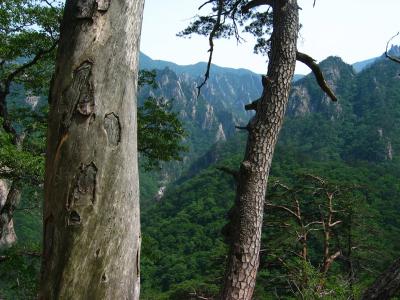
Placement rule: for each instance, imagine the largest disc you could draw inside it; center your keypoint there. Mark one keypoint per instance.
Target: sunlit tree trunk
(263, 130)
(91, 210)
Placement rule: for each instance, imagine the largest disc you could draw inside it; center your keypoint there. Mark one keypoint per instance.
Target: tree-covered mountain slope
(352, 143)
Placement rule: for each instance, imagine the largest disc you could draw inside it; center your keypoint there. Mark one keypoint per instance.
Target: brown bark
(263, 129)
(386, 285)
(91, 210)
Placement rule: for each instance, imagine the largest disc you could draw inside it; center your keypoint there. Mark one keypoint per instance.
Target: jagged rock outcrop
(220, 134)
(306, 97)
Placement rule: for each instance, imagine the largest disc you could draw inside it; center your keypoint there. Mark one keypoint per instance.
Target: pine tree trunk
(263, 130)
(91, 211)
(386, 285)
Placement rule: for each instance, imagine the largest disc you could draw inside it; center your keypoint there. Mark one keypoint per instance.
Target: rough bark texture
(263, 129)
(386, 285)
(91, 211)
(9, 198)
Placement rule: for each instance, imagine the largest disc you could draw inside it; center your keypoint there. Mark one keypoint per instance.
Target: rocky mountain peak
(306, 97)
(394, 50)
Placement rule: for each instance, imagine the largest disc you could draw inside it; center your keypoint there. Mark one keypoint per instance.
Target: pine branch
(255, 3)
(310, 62)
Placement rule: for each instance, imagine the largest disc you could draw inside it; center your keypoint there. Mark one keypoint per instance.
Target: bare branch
(255, 3)
(285, 209)
(205, 3)
(310, 62)
(334, 223)
(312, 223)
(319, 179)
(242, 127)
(395, 59)
(278, 183)
(211, 43)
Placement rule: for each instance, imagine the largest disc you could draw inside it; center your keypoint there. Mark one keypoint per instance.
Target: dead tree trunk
(91, 210)
(386, 285)
(263, 131)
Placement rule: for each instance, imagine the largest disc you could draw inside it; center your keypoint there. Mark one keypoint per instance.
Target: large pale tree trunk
(246, 223)
(91, 210)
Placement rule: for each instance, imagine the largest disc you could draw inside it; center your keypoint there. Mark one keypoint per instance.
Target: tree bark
(386, 285)
(91, 210)
(9, 199)
(264, 127)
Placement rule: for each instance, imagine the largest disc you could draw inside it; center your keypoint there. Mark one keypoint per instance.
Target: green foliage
(200, 201)
(229, 19)
(19, 272)
(29, 32)
(159, 132)
(21, 163)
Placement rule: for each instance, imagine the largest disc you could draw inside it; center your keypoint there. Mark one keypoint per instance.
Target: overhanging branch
(310, 62)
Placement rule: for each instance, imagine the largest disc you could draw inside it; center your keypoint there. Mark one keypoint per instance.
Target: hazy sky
(352, 29)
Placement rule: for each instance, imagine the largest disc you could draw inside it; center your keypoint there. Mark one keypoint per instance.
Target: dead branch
(285, 209)
(213, 33)
(310, 62)
(334, 223)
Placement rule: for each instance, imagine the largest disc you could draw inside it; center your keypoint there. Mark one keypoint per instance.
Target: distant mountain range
(359, 66)
(213, 115)
(198, 69)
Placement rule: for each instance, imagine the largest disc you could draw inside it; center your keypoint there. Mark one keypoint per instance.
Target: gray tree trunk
(246, 224)
(91, 210)
(386, 285)
(9, 199)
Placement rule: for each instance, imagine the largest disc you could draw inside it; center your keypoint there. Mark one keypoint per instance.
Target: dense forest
(331, 223)
(349, 147)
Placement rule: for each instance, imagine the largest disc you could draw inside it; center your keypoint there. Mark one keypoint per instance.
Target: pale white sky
(352, 29)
